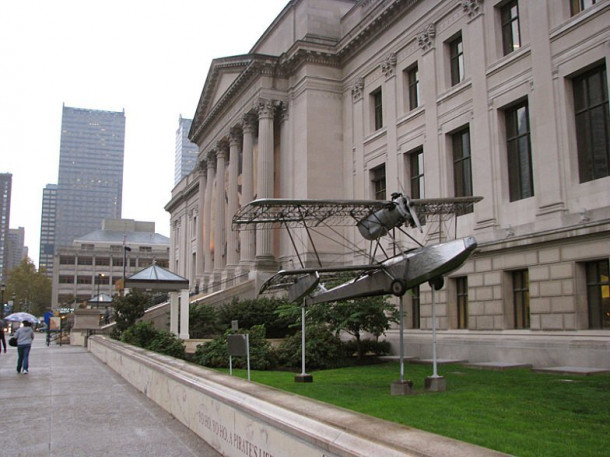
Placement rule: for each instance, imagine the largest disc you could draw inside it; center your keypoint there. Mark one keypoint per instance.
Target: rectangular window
(416, 173)
(85, 260)
(378, 182)
(462, 172)
(102, 261)
(413, 85)
(66, 279)
(511, 38)
(598, 294)
(576, 6)
(461, 285)
(520, 176)
(145, 249)
(521, 298)
(415, 301)
(377, 109)
(117, 261)
(592, 124)
(83, 280)
(87, 247)
(456, 58)
(66, 260)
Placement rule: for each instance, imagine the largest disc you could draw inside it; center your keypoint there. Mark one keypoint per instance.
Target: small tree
(203, 321)
(362, 315)
(128, 310)
(260, 311)
(31, 288)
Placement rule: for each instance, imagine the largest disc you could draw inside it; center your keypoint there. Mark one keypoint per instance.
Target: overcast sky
(149, 58)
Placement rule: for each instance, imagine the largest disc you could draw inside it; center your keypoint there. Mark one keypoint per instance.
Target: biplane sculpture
(394, 274)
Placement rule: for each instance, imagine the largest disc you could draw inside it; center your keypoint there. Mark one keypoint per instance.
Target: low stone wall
(241, 418)
(583, 348)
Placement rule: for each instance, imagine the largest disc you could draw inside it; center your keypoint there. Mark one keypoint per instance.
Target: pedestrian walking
(25, 336)
(2, 337)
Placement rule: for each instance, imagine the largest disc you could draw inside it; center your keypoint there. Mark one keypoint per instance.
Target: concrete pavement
(71, 404)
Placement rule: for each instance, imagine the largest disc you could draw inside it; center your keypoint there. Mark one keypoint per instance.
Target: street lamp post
(126, 249)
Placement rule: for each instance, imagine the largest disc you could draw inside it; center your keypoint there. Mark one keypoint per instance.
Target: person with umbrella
(2, 338)
(25, 336)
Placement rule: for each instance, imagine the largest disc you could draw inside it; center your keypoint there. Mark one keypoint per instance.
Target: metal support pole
(303, 339)
(402, 340)
(434, 372)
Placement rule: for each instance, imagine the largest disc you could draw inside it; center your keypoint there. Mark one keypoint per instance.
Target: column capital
(471, 7)
(357, 88)
(248, 122)
(425, 38)
(222, 148)
(265, 109)
(282, 109)
(235, 136)
(211, 159)
(388, 66)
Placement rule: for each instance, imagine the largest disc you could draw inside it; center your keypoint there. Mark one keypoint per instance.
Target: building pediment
(225, 78)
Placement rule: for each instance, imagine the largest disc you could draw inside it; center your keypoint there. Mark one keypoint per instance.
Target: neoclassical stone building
(346, 99)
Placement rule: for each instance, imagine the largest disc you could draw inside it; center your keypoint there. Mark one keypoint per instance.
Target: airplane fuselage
(403, 272)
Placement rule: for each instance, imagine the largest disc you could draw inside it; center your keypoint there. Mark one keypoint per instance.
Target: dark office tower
(47, 229)
(6, 180)
(186, 152)
(90, 183)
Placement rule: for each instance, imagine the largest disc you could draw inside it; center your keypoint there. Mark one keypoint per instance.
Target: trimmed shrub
(146, 336)
(214, 353)
(367, 347)
(203, 321)
(261, 311)
(322, 349)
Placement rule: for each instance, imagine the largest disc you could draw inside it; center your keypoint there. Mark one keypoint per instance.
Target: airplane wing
(271, 212)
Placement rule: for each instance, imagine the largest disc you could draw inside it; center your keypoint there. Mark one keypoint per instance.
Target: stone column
(247, 240)
(173, 313)
(219, 213)
(201, 167)
(286, 177)
(265, 179)
(390, 114)
(234, 153)
(207, 216)
(184, 314)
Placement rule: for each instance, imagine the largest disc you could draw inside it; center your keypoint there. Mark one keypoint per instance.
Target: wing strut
(313, 245)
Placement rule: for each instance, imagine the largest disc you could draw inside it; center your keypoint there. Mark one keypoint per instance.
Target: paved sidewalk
(71, 404)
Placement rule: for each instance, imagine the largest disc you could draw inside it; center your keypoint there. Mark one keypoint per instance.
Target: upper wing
(268, 212)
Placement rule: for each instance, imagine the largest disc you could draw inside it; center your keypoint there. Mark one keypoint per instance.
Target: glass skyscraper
(6, 181)
(186, 152)
(90, 182)
(47, 228)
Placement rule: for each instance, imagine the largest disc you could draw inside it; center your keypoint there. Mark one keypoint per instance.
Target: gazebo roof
(101, 298)
(155, 277)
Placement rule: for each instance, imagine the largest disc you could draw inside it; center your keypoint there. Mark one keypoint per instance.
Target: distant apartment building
(90, 181)
(186, 152)
(47, 229)
(16, 248)
(96, 262)
(6, 180)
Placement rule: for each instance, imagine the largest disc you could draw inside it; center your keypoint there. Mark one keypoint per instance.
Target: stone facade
(337, 93)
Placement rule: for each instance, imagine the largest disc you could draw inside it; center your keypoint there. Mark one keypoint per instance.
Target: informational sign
(238, 346)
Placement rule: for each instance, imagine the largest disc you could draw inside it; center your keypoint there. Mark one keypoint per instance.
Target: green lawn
(515, 411)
